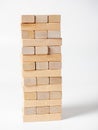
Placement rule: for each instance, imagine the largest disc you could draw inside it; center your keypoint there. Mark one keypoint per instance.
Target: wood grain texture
(45, 117)
(41, 26)
(42, 42)
(42, 73)
(53, 57)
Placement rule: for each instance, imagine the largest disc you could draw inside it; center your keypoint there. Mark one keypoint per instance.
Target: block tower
(42, 81)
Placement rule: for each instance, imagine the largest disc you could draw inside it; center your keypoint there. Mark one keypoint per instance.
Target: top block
(54, 18)
(28, 18)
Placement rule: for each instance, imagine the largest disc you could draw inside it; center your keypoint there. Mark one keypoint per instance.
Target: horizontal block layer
(34, 103)
(42, 42)
(38, 58)
(44, 117)
(43, 88)
(41, 26)
(42, 73)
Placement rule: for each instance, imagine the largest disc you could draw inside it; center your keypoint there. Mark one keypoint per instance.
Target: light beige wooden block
(42, 42)
(30, 96)
(41, 34)
(42, 80)
(30, 81)
(42, 95)
(41, 19)
(55, 95)
(41, 50)
(42, 73)
(28, 65)
(27, 34)
(42, 58)
(28, 19)
(55, 109)
(54, 18)
(41, 65)
(54, 65)
(34, 103)
(54, 34)
(28, 50)
(55, 80)
(43, 110)
(41, 26)
(43, 117)
(29, 110)
(43, 88)
(54, 49)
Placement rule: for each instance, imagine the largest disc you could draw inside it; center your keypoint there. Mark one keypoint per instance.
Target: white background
(80, 63)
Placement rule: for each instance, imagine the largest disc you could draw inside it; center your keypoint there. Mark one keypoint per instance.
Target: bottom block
(44, 117)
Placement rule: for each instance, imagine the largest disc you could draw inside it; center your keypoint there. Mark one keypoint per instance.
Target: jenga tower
(41, 51)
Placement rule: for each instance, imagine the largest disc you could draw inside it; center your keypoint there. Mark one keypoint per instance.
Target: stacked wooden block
(41, 67)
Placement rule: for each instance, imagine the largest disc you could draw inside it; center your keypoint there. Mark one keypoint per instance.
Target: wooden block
(41, 19)
(42, 73)
(55, 109)
(28, 50)
(41, 26)
(55, 95)
(28, 19)
(54, 49)
(34, 103)
(42, 50)
(43, 88)
(43, 110)
(28, 65)
(43, 117)
(29, 110)
(42, 58)
(30, 96)
(54, 65)
(42, 42)
(42, 80)
(41, 65)
(30, 81)
(42, 95)
(41, 34)
(55, 80)
(27, 34)
(54, 18)
(54, 34)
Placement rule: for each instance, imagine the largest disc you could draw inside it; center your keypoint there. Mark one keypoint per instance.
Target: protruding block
(28, 18)
(29, 110)
(28, 50)
(41, 65)
(56, 95)
(42, 50)
(42, 95)
(30, 96)
(55, 80)
(41, 34)
(27, 34)
(55, 65)
(29, 81)
(28, 65)
(54, 18)
(54, 49)
(54, 34)
(41, 19)
(55, 109)
(43, 110)
(42, 80)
